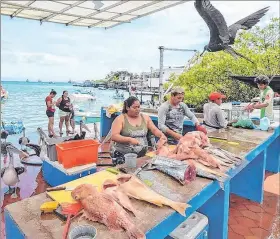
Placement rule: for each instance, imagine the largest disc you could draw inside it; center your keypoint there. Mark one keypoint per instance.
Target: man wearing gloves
(171, 116)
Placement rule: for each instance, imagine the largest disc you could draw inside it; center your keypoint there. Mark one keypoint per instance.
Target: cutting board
(152, 154)
(95, 179)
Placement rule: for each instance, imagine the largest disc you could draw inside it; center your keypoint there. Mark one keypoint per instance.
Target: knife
(60, 188)
(140, 169)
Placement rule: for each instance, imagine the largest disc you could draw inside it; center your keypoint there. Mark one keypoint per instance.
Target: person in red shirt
(50, 112)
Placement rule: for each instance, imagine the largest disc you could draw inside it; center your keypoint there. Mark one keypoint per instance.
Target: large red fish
(101, 207)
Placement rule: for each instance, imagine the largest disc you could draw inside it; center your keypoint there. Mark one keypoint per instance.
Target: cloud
(57, 52)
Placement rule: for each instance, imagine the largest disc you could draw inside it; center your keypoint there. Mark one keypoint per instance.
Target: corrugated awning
(274, 83)
(104, 14)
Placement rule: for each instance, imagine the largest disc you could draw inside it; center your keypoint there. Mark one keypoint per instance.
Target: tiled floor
(248, 220)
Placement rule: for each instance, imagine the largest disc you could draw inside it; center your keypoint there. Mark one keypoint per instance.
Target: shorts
(49, 113)
(63, 113)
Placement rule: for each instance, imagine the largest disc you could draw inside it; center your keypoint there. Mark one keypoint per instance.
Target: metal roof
(103, 14)
(274, 83)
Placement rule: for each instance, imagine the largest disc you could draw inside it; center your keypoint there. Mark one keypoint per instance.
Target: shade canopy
(102, 14)
(274, 83)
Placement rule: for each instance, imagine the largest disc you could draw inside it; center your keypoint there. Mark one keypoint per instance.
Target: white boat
(118, 95)
(87, 117)
(82, 97)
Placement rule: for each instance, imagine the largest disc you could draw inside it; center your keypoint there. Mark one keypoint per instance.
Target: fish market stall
(257, 137)
(211, 198)
(24, 219)
(262, 152)
(106, 122)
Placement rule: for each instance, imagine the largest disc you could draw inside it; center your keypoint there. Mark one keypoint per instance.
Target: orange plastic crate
(77, 152)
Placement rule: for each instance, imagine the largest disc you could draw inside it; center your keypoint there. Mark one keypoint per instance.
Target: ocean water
(26, 102)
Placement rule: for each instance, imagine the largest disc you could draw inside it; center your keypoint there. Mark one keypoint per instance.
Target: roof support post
(161, 50)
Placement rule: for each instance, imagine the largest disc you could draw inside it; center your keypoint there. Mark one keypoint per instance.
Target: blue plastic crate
(54, 174)
(14, 127)
(194, 227)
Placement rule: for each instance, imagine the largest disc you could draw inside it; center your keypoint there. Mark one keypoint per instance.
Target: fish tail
(180, 207)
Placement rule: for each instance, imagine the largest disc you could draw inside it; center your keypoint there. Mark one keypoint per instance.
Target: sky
(54, 52)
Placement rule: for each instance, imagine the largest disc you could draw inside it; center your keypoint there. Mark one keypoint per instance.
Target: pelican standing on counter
(10, 174)
(222, 36)
(23, 141)
(4, 135)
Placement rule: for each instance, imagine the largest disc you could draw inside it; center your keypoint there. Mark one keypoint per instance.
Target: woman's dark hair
(63, 93)
(128, 102)
(53, 92)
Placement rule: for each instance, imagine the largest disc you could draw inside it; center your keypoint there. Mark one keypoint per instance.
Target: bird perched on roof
(222, 36)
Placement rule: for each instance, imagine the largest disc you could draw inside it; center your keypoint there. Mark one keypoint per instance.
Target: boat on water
(86, 117)
(79, 96)
(101, 88)
(118, 95)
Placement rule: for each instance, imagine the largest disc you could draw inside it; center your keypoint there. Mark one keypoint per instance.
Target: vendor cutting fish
(171, 116)
(265, 103)
(130, 130)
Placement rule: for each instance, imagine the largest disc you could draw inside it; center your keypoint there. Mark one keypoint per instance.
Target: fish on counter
(111, 187)
(202, 137)
(206, 172)
(182, 171)
(205, 158)
(135, 188)
(101, 207)
(225, 156)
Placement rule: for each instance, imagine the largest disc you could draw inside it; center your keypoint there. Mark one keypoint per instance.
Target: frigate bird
(222, 36)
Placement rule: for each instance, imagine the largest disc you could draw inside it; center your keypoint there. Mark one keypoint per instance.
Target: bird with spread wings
(222, 36)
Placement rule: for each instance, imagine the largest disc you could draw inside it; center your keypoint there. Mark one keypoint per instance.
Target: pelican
(10, 174)
(82, 134)
(23, 140)
(4, 135)
(222, 36)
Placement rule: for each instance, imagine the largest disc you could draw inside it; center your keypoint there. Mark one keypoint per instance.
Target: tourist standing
(50, 112)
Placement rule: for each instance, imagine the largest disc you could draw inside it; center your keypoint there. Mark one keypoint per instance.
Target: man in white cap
(171, 116)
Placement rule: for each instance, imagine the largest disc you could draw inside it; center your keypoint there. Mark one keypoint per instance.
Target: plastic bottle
(264, 123)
